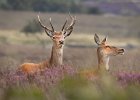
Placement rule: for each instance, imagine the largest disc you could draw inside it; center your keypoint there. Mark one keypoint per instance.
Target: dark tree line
(73, 6)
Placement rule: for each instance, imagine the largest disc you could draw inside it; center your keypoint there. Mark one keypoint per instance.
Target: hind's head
(104, 51)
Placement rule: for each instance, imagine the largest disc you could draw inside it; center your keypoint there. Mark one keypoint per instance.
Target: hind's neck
(103, 62)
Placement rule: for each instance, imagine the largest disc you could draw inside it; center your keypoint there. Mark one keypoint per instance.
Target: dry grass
(79, 51)
(17, 37)
(117, 26)
(16, 48)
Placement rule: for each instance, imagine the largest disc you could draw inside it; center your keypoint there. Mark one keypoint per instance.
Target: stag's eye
(108, 47)
(64, 33)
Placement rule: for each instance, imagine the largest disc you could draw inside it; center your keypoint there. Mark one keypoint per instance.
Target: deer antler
(46, 28)
(64, 24)
(51, 25)
(70, 27)
(72, 22)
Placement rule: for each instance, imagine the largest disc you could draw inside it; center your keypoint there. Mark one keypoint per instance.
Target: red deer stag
(58, 39)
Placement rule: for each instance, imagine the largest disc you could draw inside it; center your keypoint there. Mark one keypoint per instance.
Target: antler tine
(69, 29)
(42, 24)
(51, 25)
(72, 22)
(64, 24)
(40, 21)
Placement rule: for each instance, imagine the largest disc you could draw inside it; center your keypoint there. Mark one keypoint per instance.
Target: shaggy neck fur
(56, 56)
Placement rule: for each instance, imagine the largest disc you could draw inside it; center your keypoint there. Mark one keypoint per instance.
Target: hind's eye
(53, 37)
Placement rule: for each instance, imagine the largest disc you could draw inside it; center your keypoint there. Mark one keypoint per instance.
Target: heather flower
(44, 79)
(128, 78)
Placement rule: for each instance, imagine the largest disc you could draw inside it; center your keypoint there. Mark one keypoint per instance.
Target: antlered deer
(58, 39)
(104, 52)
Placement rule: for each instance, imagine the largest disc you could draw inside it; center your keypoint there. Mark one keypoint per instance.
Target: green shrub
(31, 27)
(26, 93)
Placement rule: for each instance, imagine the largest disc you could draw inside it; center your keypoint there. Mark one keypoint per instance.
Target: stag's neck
(56, 56)
(103, 62)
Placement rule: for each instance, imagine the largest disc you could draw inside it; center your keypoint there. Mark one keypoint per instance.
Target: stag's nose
(61, 42)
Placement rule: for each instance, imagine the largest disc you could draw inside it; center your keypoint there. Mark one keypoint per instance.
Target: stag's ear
(96, 38)
(104, 40)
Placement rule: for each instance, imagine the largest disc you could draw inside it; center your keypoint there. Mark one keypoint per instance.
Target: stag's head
(59, 37)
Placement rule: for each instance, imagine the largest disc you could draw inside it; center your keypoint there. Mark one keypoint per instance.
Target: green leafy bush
(31, 27)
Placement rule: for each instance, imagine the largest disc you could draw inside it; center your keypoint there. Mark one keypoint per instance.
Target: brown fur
(103, 53)
(57, 48)
(89, 73)
(30, 68)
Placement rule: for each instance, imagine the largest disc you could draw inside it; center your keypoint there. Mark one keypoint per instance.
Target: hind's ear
(104, 40)
(96, 38)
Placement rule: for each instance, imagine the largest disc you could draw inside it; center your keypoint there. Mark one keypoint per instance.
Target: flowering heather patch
(77, 88)
(51, 76)
(128, 78)
(48, 77)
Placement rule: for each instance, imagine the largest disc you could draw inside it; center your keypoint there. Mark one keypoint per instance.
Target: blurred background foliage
(32, 27)
(125, 7)
(73, 6)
